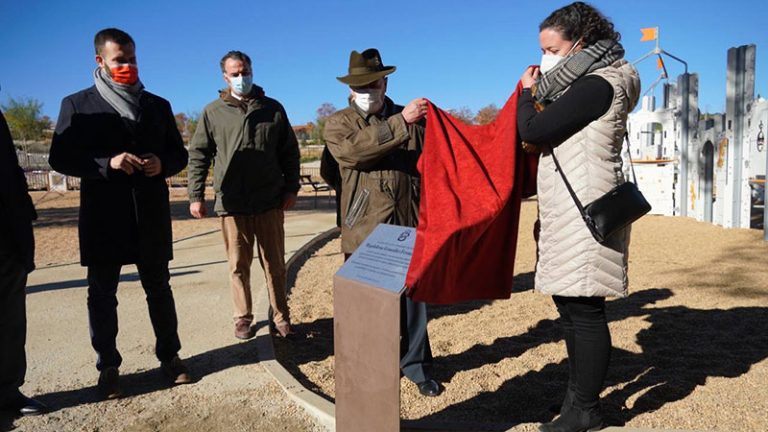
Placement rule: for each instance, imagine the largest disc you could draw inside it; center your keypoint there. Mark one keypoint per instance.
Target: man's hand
(415, 110)
(530, 76)
(289, 200)
(152, 164)
(126, 162)
(197, 209)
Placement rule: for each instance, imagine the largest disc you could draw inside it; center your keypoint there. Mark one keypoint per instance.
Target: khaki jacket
(377, 157)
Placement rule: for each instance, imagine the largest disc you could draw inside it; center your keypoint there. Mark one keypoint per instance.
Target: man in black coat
(122, 142)
(17, 254)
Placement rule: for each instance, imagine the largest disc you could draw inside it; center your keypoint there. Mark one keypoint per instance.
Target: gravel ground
(690, 350)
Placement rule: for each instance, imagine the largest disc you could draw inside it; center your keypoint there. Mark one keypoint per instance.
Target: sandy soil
(690, 349)
(56, 240)
(56, 227)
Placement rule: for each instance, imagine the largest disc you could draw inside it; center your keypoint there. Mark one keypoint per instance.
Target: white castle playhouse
(707, 166)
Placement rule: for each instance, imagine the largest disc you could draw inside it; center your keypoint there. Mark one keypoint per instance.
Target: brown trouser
(241, 234)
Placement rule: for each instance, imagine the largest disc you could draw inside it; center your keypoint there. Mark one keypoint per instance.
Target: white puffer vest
(571, 263)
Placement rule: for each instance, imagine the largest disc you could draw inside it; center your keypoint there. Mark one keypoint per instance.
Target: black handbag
(613, 211)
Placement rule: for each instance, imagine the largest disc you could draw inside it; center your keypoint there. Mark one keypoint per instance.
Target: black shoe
(176, 372)
(429, 388)
(567, 404)
(25, 406)
(575, 420)
(109, 383)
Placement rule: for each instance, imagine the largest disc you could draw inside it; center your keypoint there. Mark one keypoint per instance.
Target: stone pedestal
(366, 329)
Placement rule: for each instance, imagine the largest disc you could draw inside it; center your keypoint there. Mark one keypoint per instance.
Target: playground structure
(710, 167)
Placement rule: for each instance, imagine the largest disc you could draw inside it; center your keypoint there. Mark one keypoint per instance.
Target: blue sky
(457, 53)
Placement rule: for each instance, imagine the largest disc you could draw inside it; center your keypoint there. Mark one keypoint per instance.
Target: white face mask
(549, 61)
(371, 101)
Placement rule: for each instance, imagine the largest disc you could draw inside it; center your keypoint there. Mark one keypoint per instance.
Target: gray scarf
(553, 84)
(123, 98)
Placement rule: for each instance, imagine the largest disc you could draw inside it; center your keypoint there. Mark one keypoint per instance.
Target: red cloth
(472, 181)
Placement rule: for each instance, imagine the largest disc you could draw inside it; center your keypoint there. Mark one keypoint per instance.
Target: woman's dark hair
(581, 20)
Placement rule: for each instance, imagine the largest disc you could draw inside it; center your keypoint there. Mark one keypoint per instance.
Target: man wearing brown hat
(376, 144)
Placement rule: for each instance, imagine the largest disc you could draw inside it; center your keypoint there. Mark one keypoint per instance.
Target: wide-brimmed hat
(365, 68)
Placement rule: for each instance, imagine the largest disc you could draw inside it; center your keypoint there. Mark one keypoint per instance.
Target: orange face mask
(125, 73)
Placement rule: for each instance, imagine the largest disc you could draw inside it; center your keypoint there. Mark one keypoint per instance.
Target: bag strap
(629, 153)
(568, 184)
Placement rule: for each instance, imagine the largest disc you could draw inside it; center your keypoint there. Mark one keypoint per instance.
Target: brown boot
(243, 329)
(284, 330)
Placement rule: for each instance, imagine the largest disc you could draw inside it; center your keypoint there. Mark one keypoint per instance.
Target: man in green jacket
(256, 178)
(376, 144)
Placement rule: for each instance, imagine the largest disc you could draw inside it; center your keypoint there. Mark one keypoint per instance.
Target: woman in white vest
(575, 104)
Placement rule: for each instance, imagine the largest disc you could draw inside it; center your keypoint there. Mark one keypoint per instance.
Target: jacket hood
(226, 95)
(631, 78)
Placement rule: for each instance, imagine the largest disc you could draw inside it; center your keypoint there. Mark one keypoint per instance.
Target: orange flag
(649, 34)
(659, 63)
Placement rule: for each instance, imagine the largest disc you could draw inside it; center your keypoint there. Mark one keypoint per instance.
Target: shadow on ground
(83, 283)
(149, 381)
(681, 347)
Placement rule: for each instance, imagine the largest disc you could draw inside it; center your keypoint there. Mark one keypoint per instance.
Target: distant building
(711, 167)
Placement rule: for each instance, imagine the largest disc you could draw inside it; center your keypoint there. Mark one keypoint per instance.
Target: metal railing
(39, 179)
(33, 161)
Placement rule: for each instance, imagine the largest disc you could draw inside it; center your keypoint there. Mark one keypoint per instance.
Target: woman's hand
(530, 76)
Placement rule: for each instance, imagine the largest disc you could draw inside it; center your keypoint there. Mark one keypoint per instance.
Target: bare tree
(487, 114)
(186, 123)
(181, 124)
(193, 117)
(325, 111)
(464, 114)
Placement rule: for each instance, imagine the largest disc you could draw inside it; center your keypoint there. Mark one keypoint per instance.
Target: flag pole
(684, 93)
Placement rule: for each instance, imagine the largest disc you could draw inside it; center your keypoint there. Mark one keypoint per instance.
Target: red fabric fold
(472, 181)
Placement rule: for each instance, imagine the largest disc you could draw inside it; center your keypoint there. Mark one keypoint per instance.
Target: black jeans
(13, 326)
(415, 352)
(102, 311)
(588, 341)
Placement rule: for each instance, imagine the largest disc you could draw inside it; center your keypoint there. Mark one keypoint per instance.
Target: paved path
(61, 361)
